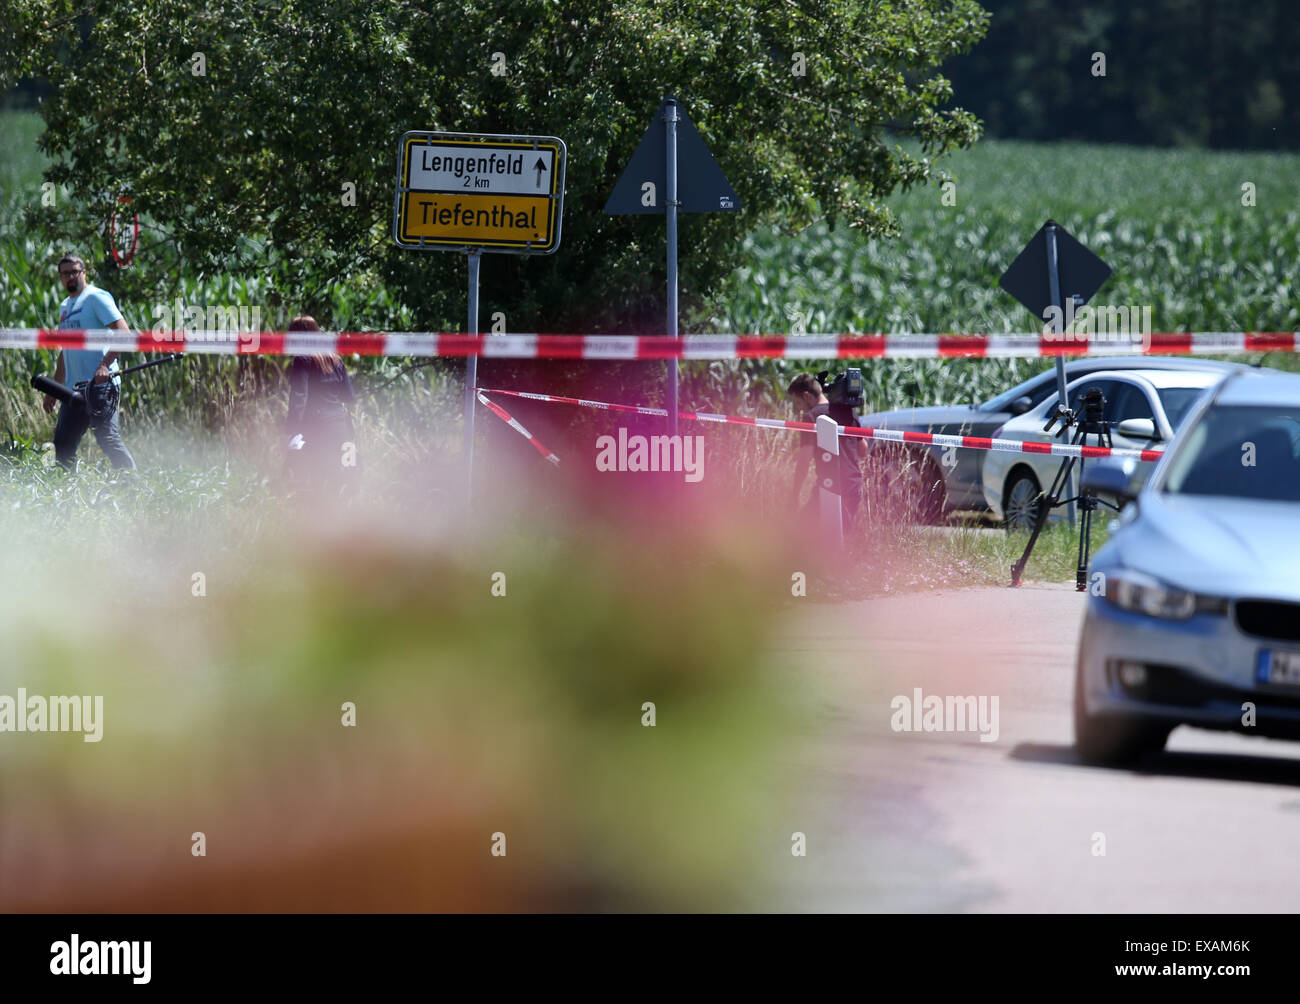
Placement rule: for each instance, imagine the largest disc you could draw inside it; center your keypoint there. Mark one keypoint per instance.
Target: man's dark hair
(804, 383)
(72, 258)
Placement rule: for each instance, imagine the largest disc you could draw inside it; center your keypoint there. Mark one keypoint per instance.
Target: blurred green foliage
(475, 712)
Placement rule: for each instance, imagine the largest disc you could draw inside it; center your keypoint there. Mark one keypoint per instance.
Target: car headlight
(1143, 594)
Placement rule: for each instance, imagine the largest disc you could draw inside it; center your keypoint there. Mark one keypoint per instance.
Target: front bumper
(1200, 671)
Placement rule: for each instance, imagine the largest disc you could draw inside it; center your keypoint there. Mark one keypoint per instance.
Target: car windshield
(1027, 388)
(1240, 451)
(1178, 402)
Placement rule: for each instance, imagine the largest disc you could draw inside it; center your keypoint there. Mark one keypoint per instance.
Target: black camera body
(99, 404)
(78, 396)
(1094, 405)
(845, 389)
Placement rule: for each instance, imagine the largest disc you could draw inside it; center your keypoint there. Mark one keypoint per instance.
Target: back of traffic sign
(701, 186)
(1080, 272)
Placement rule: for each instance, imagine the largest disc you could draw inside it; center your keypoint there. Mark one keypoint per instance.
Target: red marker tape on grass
(506, 417)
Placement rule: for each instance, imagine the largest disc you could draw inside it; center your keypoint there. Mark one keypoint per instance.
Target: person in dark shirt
(322, 442)
(807, 393)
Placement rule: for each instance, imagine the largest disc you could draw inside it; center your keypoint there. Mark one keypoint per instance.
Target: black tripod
(1091, 424)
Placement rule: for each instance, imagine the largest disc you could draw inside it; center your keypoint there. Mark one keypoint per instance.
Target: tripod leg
(1045, 507)
(1085, 543)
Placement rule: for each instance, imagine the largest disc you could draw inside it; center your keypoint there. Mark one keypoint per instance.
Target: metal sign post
(474, 256)
(1055, 256)
(650, 185)
(476, 192)
(1054, 291)
(1054, 259)
(670, 206)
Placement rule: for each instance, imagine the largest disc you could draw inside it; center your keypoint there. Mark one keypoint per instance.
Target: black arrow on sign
(539, 167)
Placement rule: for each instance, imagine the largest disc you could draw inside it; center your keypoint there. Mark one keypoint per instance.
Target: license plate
(1281, 668)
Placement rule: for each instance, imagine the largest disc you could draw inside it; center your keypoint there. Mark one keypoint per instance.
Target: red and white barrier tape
(533, 346)
(509, 419)
(886, 435)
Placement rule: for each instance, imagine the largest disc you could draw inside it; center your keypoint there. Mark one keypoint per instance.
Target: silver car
(1194, 617)
(1143, 408)
(931, 483)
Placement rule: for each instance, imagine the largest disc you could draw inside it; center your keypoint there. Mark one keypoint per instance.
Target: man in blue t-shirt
(87, 307)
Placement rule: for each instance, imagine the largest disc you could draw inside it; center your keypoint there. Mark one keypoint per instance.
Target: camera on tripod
(1088, 423)
(1089, 417)
(845, 389)
(1094, 403)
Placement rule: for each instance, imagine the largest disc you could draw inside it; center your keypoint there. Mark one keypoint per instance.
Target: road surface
(938, 822)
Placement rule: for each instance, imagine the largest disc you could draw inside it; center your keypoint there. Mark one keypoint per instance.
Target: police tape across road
(632, 347)
(886, 435)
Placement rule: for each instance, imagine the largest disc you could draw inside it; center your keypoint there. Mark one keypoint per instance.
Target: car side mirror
(1111, 478)
(1020, 405)
(1138, 428)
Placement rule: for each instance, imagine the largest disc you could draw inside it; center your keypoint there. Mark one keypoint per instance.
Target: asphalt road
(937, 822)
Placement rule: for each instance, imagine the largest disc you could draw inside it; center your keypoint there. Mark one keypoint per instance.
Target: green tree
(235, 124)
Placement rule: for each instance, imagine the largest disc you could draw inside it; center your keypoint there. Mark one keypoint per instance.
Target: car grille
(1269, 619)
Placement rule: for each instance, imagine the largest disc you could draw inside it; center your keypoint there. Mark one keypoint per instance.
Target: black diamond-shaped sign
(1081, 272)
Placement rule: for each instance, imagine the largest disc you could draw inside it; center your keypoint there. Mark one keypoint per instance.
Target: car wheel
(1021, 501)
(1112, 740)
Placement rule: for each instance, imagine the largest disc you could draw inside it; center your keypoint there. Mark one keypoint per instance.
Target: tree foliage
(240, 169)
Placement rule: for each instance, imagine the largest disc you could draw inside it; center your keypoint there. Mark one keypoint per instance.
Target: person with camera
(88, 307)
(807, 393)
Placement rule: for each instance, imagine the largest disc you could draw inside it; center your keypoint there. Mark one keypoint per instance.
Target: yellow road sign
(457, 191)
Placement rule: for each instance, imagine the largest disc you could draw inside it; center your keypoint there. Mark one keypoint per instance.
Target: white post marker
(830, 509)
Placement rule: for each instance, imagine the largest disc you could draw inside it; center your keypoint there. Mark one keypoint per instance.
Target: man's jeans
(73, 423)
